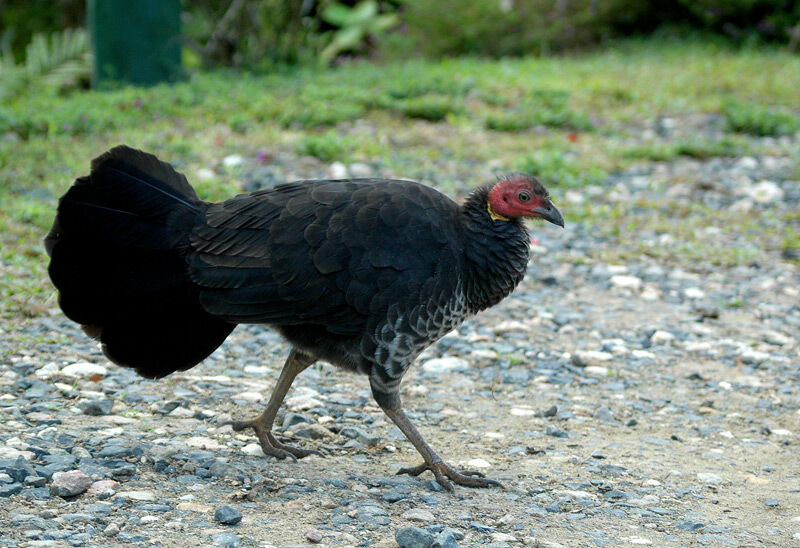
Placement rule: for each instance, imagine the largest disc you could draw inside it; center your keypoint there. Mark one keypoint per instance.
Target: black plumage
(362, 273)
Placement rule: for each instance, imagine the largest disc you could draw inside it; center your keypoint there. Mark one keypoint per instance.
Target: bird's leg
(441, 470)
(262, 424)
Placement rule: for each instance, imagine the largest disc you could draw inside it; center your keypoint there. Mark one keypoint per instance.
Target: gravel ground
(620, 404)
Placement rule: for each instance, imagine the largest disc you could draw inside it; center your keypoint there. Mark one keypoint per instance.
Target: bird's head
(519, 195)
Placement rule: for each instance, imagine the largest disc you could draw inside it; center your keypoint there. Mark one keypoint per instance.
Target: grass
(453, 122)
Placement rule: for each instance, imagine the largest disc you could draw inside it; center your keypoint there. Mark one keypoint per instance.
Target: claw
(269, 444)
(442, 471)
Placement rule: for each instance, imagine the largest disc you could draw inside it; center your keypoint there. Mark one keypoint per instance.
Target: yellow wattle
(495, 216)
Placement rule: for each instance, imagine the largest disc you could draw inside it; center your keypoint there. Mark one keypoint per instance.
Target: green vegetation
(759, 119)
(454, 122)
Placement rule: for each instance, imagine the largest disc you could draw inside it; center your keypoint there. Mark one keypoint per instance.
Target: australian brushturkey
(363, 273)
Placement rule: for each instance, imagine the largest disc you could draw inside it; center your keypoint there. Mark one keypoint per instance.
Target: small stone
(253, 450)
(314, 536)
(583, 358)
(193, 507)
(302, 403)
(556, 432)
(626, 282)
(661, 337)
(413, 537)
(84, 369)
(709, 478)
(233, 160)
(596, 370)
(96, 407)
(765, 192)
(503, 537)
(694, 293)
(111, 530)
(48, 370)
(70, 484)
(144, 496)
(228, 540)
(227, 515)
(102, 486)
(8, 489)
(445, 539)
(445, 365)
(772, 503)
(337, 170)
(356, 433)
(418, 514)
(360, 170)
(478, 463)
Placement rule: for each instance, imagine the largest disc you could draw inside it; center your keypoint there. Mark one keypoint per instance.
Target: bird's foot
(269, 444)
(442, 471)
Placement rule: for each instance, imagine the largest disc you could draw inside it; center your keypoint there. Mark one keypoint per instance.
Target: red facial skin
(505, 200)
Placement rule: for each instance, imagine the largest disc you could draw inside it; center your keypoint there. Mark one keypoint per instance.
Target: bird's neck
(495, 252)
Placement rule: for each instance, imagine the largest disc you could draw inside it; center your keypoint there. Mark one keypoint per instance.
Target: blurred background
(633, 112)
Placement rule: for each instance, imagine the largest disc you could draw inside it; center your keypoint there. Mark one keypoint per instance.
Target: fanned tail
(117, 249)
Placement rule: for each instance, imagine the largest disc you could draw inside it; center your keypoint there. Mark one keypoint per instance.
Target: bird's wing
(332, 253)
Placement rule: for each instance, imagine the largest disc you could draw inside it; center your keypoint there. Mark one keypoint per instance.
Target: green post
(135, 41)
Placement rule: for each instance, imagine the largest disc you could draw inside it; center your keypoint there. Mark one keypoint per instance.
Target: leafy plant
(326, 147)
(58, 62)
(760, 120)
(354, 26)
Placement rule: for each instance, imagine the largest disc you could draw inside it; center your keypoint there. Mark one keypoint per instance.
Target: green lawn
(571, 120)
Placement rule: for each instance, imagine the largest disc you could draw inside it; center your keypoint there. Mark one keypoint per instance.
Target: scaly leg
(441, 471)
(295, 363)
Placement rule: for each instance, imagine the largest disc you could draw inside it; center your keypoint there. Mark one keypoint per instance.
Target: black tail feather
(117, 250)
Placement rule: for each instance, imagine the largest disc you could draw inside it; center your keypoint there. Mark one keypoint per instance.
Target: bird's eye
(524, 196)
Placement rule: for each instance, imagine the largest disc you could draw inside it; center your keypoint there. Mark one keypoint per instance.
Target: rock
(418, 514)
(228, 540)
(772, 503)
(70, 484)
(227, 515)
(84, 369)
(96, 407)
(253, 450)
(709, 478)
(102, 486)
(694, 293)
(478, 463)
(556, 432)
(661, 337)
(596, 370)
(503, 537)
(144, 496)
(445, 539)
(18, 469)
(293, 419)
(302, 403)
(626, 281)
(48, 370)
(337, 170)
(765, 192)
(233, 160)
(356, 433)
(314, 536)
(360, 170)
(582, 358)
(413, 537)
(312, 432)
(445, 365)
(8, 489)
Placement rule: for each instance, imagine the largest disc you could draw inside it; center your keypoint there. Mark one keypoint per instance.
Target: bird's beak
(549, 213)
